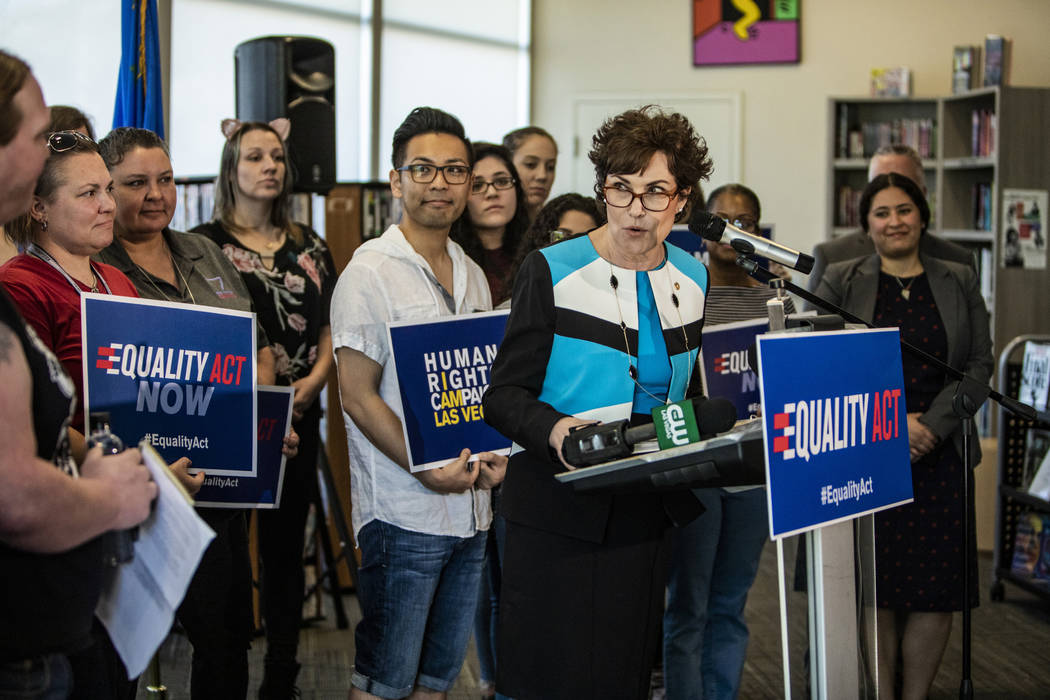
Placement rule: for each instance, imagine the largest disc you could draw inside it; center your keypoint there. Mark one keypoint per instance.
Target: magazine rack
(1013, 498)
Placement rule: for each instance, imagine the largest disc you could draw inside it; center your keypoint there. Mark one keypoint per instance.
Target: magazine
(1036, 447)
(1035, 375)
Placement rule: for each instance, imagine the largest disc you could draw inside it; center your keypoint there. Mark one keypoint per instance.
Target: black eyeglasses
(424, 173)
(560, 234)
(744, 223)
(481, 185)
(620, 197)
(61, 141)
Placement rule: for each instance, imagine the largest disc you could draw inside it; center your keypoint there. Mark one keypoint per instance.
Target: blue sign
(264, 489)
(724, 365)
(180, 376)
(835, 426)
(442, 370)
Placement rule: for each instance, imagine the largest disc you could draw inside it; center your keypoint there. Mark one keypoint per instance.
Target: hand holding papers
(138, 605)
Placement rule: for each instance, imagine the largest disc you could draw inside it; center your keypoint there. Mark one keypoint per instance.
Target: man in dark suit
(897, 158)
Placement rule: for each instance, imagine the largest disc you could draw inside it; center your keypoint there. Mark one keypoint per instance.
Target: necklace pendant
(906, 293)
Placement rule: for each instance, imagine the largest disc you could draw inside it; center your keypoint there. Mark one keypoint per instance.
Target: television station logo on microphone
(675, 424)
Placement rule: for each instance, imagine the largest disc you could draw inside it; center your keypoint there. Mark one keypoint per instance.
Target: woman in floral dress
(290, 276)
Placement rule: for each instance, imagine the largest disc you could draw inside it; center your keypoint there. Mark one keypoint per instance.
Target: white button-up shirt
(387, 280)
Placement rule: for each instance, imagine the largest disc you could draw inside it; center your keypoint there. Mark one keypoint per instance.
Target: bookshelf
(974, 145)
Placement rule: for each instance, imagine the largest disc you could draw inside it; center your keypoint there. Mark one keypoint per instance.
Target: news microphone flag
(675, 424)
(140, 100)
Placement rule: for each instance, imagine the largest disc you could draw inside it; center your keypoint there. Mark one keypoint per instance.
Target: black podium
(734, 458)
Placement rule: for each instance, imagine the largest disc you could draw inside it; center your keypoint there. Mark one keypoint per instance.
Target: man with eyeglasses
(422, 535)
(52, 514)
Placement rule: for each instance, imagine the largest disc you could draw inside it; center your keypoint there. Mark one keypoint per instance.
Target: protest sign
(264, 489)
(835, 426)
(178, 376)
(724, 364)
(442, 370)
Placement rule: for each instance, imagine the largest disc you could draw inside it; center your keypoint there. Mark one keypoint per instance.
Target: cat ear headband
(281, 125)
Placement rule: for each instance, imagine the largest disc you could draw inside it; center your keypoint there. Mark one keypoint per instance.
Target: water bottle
(99, 434)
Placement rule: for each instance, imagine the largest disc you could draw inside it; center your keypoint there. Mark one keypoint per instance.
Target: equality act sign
(835, 426)
(442, 370)
(179, 376)
(264, 489)
(725, 367)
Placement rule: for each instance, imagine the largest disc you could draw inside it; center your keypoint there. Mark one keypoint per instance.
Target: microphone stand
(969, 396)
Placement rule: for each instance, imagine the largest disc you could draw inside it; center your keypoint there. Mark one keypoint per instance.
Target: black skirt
(581, 619)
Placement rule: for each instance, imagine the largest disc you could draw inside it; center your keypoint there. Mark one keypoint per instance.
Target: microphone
(712, 228)
(588, 445)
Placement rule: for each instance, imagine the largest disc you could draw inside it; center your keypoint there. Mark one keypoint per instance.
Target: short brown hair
(13, 74)
(625, 143)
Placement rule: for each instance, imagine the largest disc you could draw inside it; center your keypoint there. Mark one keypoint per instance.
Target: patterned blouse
(292, 299)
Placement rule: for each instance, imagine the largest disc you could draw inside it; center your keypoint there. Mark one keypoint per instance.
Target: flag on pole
(139, 93)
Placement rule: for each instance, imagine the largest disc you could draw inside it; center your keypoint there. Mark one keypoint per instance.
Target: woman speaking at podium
(938, 307)
(602, 327)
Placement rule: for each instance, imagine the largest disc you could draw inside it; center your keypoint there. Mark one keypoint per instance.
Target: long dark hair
(226, 185)
(463, 230)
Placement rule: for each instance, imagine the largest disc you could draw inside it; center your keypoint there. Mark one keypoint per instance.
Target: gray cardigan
(853, 285)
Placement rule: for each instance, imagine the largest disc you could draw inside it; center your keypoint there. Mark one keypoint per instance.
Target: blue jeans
(43, 678)
(418, 593)
(714, 561)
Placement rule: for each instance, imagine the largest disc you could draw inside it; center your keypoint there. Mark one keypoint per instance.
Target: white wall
(584, 46)
(41, 32)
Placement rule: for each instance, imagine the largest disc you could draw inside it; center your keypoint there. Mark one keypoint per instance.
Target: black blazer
(854, 284)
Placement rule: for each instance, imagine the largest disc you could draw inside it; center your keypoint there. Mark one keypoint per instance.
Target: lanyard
(41, 254)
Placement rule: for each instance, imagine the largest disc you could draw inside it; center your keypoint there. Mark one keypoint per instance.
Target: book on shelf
(891, 82)
(843, 134)
(997, 49)
(1027, 543)
(847, 212)
(965, 60)
(1037, 444)
(1035, 375)
(984, 127)
(982, 206)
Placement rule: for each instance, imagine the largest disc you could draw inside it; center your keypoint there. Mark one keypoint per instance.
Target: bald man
(888, 159)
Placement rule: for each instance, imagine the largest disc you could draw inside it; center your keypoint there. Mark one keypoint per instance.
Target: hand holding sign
(491, 470)
(191, 482)
(455, 477)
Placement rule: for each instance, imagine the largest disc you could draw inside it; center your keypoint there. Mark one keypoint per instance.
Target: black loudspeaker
(293, 77)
